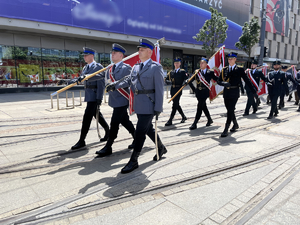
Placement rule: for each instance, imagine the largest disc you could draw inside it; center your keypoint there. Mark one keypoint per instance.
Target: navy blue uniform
(177, 77)
(202, 93)
(278, 84)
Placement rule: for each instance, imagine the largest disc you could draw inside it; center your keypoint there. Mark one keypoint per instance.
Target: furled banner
(278, 17)
(216, 62)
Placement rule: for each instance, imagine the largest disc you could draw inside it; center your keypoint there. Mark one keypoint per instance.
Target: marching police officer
(276, 82)
(293, 83)
(203, 79)
(253, 101)
(176, 78)
(94, 88)
(118, 100)
(230, 78)
(147, 82)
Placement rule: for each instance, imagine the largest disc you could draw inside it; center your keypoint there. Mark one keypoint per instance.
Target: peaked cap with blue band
(88, 51)
(145, 43)
(118, 48)
(204, 59)
(177, 60)
(232, 55)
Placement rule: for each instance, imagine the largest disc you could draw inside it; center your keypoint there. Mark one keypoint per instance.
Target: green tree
(213, 33)
(249, 37)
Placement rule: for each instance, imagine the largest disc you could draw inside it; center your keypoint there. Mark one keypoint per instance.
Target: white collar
(204, 71)
(145, 63)
(118, 63)
(177, 69)
(91, 64)
(232, 67)
(253, 70)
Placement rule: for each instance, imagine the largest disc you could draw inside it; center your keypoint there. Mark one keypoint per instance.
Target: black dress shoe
(234, 128)
(193, 127)
(183, 119)
(169, 123)
(276, 114)
(254, 111)
(161, 151)
(246, 114)
(104, 152)
(130, 166)
(296, 103)
(209, 122)
(270, 117)
(224, 134)
(132, 145)
(298, 110)
(78, 145)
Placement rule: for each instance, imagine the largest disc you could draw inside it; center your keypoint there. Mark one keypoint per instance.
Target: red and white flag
(262, 85)
(217, 62)
(132, 61)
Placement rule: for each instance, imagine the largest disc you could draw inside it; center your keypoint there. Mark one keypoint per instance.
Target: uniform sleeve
(213, 76)
(100, 89)
(191, 83)
(159, 88)
(262, 76)
(247, 80)
(291, 78)
(284, 79)
(220, 79)
(127, 80)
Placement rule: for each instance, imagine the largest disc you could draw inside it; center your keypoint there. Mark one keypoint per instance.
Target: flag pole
(193, 76)
(93, 74)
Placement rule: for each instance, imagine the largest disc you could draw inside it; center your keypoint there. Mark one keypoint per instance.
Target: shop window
(74, 64)
(8, 75)
(54, 71)
(29, 66)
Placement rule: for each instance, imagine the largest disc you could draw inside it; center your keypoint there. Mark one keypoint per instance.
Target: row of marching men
(146, 80)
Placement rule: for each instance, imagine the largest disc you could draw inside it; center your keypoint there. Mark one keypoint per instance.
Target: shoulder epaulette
(241, 67)
(156, 63)
(182, 70)
(125, 64)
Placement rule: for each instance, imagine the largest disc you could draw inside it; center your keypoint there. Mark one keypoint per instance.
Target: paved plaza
(250, 177)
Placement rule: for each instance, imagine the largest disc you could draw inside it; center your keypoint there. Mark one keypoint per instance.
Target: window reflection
(7, 67)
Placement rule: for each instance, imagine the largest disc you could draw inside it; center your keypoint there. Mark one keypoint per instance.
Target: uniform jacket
(151, 77)
(298, 80)
(92, 94)
(258, 74)
(115, 98)
(290, 78)
(201, 90)
(278, 81)
(177, 79)
(234, 78)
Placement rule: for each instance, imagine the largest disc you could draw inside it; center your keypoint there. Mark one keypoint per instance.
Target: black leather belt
(232, 87)
(202, 88)
(138, 92)
(174, 86)
(91, 86)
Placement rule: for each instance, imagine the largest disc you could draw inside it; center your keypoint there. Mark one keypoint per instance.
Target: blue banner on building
(176, 20)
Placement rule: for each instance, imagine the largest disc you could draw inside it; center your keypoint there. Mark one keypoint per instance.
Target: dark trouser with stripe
(230, 106)
(90, 112)
(251, 101)
(274, 99)
(119, 116)
(202, 107)
(144, 127)
(176, 105)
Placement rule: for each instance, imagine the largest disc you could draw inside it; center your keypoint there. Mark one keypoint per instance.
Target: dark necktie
(87, 68)
(114, 67)
(142, 65)
(202, 72)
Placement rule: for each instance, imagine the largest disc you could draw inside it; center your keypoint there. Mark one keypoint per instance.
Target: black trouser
(119, 116)
(274, 99)
(176, 106)
(202, 107)
(230, 106)
(90, 112)
(281, 100)
(251, 101)
(144, 127)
